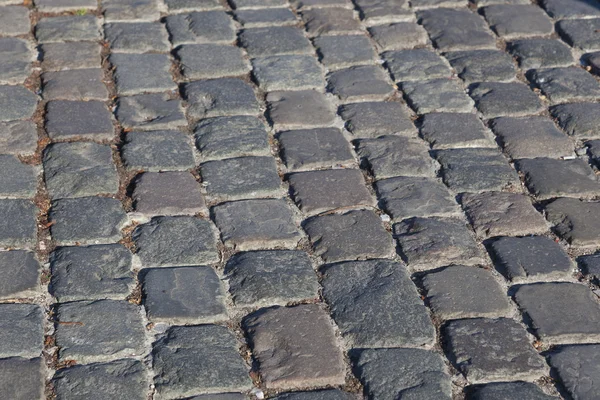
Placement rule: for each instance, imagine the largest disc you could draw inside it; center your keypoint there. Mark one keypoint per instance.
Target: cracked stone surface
(150, 112)
(416, 64)
(574, 220)
(373, 119)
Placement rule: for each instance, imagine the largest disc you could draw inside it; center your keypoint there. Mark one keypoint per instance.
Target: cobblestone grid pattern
(304, 200)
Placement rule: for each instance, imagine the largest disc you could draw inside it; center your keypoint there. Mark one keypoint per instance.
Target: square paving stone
(257, 4)
(22, 330)
(308, 4)
(399, 36)
(593, 150)
(374, 12)
(76, 84)
(66, 5)
(176, 241)
(314, 148)
(344, 51)
(416, 64)
(560, 312)
(507, 391)
(456, 29)
(390, 156)
(17, 179)
(360, 83)
(416, 373)
(102, 330)
(268, 278)
(266, 17)
(242, 177)
(429, 243)
(577, 369)
(22, 379)
(425, 4)
(312, 356)
(18, 137)
(560, 9)
(373, 119)
(150, 111)
(130, 10)
(578, 119)
(541, 53)
(533, 256)
(465, 292)
(157, 151)
(530, 137)
(73, 55)
(502, 214)
(87, 220)
(78, 119)
(220, 97)
(256, 224)
(589, 265)
(547, 178)
(167, 193)
(318, 191)
(16, 57)
(91, 273)
(566, 84)
(495, 99)
(482, 65)
(448, 130)
(68, 28)
(375, 304)
(139, 73)
(204, 61)
(276, 40)
(139, 37)
(325, 394)
(281, 73)
(330, 21)
(582, 34)
(19, 226)
(300, 109)
(476, 170)
(575, 221)
(110, 381)
(225, 137)
(511, 21)
(406, 196)
(21, 272)
(191, 360)
(488, 350)
(220, 396)
(355, 235)
(201, 27)
(14, 21)
(185, 295)
(437, 95)
(79, 169)
(16, 102)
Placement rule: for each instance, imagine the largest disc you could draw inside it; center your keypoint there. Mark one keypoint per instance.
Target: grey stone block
(399, 36)
(265, 17)
(256, 224)
(138, 37)
(416, 64)
(150, 112)
(375, 12)
(91, 273)
(21, 272)
(167, 193)
(193, 5)
(580, 33)
(566, 84)
(204, 61)
(257, 4)
(578, 119)
(220, 97)
(201, 27)
(139, 73)
(157, 151)
(17, 180)
(449, 130)
(373, 119)
(326, 394)
(79, 170)
(507, 391)
(220, 396)
(268, 278)
(560, 9)
(360, 83)
(314, 148)
(73, 55)
(78, 119)
(593, 150)
(592, 62)
(22, 327)
(577, 369)
(87, 331)
(176, 241)
(18, 137)
(308, 4)
(130, 10)
(437, 95)
(300, 109)
(281, 73)
(425, 4)
(313, 356)
(19, 227)
(344, 51)
(330, 21)
(14, 21)
(575, 221)
(15, 59)
(66, 5)
(225, 137)
(375, 304)
(589, 265)
(482, 65)
(68, 28)
(22, 379)
(511, 21)
(495, 99)
(16, 102)
(541, 53)
(76, 84)
(271, 41)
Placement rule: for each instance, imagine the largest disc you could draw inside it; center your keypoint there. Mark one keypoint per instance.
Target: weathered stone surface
(281, 73)
(17, 180)
(330, 21)
(399, 36)
(19, 226)
(72, 55)
(577, 368)
(494, 99)
(150, 111)
(578, 119)
(414, 373)
(21, 272)
(590, 266)
(327, 394)
(110, 381)
(87, 220)
(225, 137)
(488, 350)
(92, 331)
(312, 356)
(360, 83)
(14, 21)
(196, 359)
(561, 312)
(428, 243)
(265, 17)
(157, 151)
(220, 97)
(373, 119)
(566, 84)
(258, 4)
(65, 5)
(355, 235)
(314, 148)
(176, 241)
(91, 273)
(138, 37)
(78, 119)
(300, 109)
(167, 193)
(139, 73)
(580, 33)
(22, 379)
(68, 28)
(256, 224)
(193, 5)
(592, 61)
(15, 59)
(18, 137)
(517, 20)
(76, 84)
(593, 150)
(425, 4)
(220, 396)
(560, 9)
(507, 391)
(268, 278)
(449, 130)
(130, 10)
(575, 221)
(437, 95)
(201, 27)
(416, 64)
(375, 12)
(275, 40)
(541, 53)
(375, 304)
(205, 61)
(344, 51)
(308, 4)
(16, 102)
(482, 65)
(22, 330)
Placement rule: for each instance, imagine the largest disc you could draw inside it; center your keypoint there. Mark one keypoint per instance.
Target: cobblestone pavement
(315, 200)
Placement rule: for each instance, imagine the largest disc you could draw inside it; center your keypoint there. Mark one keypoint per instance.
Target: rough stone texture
(580, 33)
(577, 368)
(167, 193)
(344, 51)
(437, 95)
(355, 235)
(399, 36)
(239, 178)
(110, 381)
(204, 61)
(487, 350)
(150, 112)
(16, 102)
(312, 356)
(560, 9)
(373, 119)
(575, 221)
(19, 226)
(590, 266)
(592, 61)
(200, 27)
(327, 394)
(566, 84)
(314, 148)
(130, 10)
(22, 379)
(68, 28)
(73, 55)
(15, 59)
(416, 64)
(374, 12)
(578, 119)
(428, 243)
(220, 97)
(330, 21)
(360, 83)
(196, 359)
(517, 21)
(275, 40)
(87, 220)
(256, 224)
(318, 191)
(547, 178)
(449, 130)
(78, 119)
(17, 180)
(411, 373)
(21, 272)
(137, 37)
(268, 278)
(258, 4)
(22, 330)
(91, 273)
(14, 21)
(482, 65)
(79, 170)
(157, 151)
(265, 17)
(139, 73)
(541, 53)
(225, 137)
(76, 84)
(192, 5)
(494, 99)
(65, 5)
(300, 109)
(425, 4)
(593, 150)
(465, 292)
(185, 295)
(507, 391)
(375, 304)
(308, 4)
(220, 396)
(18, 137)
(89, 331)
(281, 73)
(176, 241)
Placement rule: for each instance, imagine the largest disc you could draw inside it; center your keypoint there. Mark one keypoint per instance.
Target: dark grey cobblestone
(140, 73)
(72, 55)
(138, 37)
(494, 99)
(300, 109)
(329, 21)
(375, 12)
(258, 4)
(157, 151)
(590, 266)
(14, 21)
(399, 36)
(507, 391)
(360, 83)
(167, 193)
(220, 97)
(566, 84)
(373, 119)
(17, 179)
(437, 95)
(78, 119)
(19, 223)
(18, 137)
(314, 148)
(76, 84)
(450, 130)
(281, 73)
(416, 64)
(578, 119)
(580, 33)
(283, 40)
(577, 369)
(327, 394)
(344, 51)
(541, 53)
(16, 102)
(482, 65)
(22, 379)
(15, 60)
(511, 21)
(206, 61)
(265, 17)
(22, 273)
(150, 112)
(575, 221)
(130, 10)
(68, 28)
(200, 27)
(560, 9)
(22, 330)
